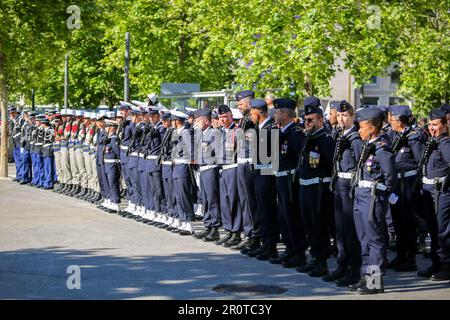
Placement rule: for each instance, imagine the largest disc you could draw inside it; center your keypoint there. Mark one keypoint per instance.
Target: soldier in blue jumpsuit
(265, 189)
(16, 123)
(375, 180)
(407, 146)
(315, 199)
(101, 141)
(290, 142)
(246, 138)
(436, 195)
(111, 160)
(230, 210)
(26, 174)
(207, 141)
(347, 151)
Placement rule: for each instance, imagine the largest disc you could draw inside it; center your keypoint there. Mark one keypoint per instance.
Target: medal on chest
(314, 159)
(369, 163)
(284, 147)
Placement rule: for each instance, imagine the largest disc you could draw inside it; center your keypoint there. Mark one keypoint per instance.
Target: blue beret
(369, 114)
(384, 109)
(312, 101)
(223, 108)
(244, 94)
(313, 109)
(344, 106)
(205, 112)
(446, 108)
(258, 104)
(282, 103)
(335, 105)
(400, 111)
(437, 114)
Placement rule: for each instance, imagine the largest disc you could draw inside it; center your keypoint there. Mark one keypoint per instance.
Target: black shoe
(396, 261)
(267, 254)
(186, 233)
(255, 252)
(255, 243)
(406, 266)
(359, 284)
(352, 277)
(243, 244)
(433, 269)
(234, 240)
(339, 273)
(294, 262)
(320, 269)
(443, 274)
(225, 238)
(307, 267)
(214, 235)
(364, 290)
(23, 182)
(282, 257)
(202, 234)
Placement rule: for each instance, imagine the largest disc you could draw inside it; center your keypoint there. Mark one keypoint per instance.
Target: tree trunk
(4, 115)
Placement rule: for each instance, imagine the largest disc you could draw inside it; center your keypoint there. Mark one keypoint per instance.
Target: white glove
(393, 198)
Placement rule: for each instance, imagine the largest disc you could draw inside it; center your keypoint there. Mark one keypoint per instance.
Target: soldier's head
(370, 122)
(345, 115)
(269, 99)
(284, 111)
(110, 126)
(225, 116)
(165, 119)
(152, 99)
(202, 118)
(243, 98)
(258, 110)
(215, 119)
(178, 118)
(438, 123)
(12, 110)
(154, 115)
(332, 115)
(399, 117)
(446, 108)
(313, 114)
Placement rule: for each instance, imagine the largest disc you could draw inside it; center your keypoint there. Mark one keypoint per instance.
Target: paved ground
(43, 233)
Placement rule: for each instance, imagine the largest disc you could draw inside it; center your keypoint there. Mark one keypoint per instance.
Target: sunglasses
(309, 120)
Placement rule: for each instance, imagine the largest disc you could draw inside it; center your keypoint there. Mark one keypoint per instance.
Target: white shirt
(263, 123)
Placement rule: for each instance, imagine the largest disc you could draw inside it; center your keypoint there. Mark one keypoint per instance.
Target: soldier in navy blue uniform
(154, 139)
(182, 173)
(207, 142)
(229, 202)
(101, 174)
(39, 142)
(246, 138)
(26, 174)
(374, 181)
(290, 142)
(436, 195)
(316, 200)
(347, 151)
(47, 154)
(407, 146)
(16, 123)
(265, 189)
(111, 159)
(331, 123)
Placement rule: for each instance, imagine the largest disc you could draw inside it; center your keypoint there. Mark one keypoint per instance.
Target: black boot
(351, 277)
(66, 189)
(294, 262)
(75, 190)
(82, 193)
(225, 238)
(214, 235)
(243, 244)
(433, 269)
(234, 240)
(443, 274)
(254, 244)
(255, 252)
(359, 284)
(286, 255)
(366, 289)
(320, 269)
(268, 252)
(339, 273)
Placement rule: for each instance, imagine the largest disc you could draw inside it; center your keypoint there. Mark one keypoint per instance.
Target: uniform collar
(283, 130)
(261, 125)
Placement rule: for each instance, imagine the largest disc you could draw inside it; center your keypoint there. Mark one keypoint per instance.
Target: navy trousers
(183, 196)
(247, 200)
(209, 186)
(49, 172)
(168, 188)
(230, 211)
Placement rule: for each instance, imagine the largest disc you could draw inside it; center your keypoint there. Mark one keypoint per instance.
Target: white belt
(47, 145)
(284, 173)
(111, 160)
(203, 168)
(16, 135)
(152, 157)
(262, 166)
(345, 175)
(408, 174)
(308, 182)
(182, 161)
(141, 155)
(124, 147)
(433, 181)
(135, 154)
(244, 160)
(38, 144)
(167, 163)
(369, 184)
(229, 166)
